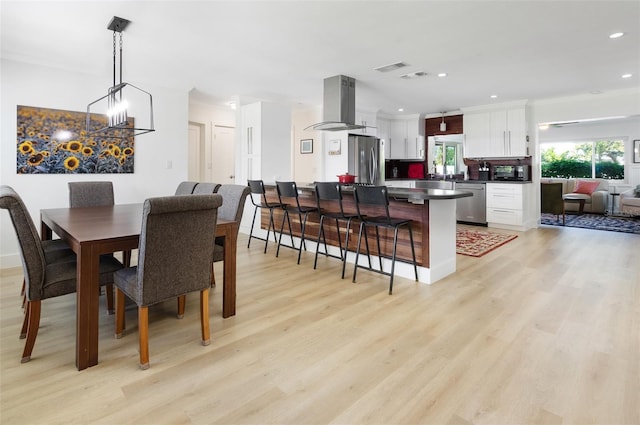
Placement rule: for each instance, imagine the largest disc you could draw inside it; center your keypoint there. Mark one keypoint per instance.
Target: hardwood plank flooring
(544, 330)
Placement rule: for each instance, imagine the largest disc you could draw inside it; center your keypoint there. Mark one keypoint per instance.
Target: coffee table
(575, 199)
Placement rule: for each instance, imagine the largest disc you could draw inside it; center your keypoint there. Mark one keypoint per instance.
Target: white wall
(307, 168)
(32, 85)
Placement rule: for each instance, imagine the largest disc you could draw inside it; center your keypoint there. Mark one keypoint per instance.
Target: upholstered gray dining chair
(234, 197)
(174, 258)
(185, 188)
(90, 194)
(46, 276)
(96, 194)
(206, 188)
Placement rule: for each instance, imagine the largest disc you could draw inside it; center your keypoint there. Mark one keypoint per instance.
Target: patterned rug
(476, 243)
(595, 221)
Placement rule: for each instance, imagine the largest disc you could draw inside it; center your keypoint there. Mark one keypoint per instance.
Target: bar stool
(332, 192)
(289, 190)
(257, 188)
(376, 196)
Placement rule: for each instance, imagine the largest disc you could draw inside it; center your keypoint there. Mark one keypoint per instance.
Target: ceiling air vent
(391, 67)
(412, 75)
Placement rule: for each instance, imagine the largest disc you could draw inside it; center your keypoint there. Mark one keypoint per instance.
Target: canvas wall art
(54, 141)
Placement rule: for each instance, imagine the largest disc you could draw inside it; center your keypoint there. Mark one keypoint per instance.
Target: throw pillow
(586, 187)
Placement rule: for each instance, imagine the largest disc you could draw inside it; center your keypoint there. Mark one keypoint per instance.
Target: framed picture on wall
(636, 151)
(306, 146)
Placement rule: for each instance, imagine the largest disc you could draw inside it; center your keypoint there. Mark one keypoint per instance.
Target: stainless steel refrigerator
(366, 159)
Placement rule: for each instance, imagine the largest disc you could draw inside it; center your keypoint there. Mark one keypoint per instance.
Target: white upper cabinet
(367, 119)
(382, 133)
(496, 133)
(406, 137)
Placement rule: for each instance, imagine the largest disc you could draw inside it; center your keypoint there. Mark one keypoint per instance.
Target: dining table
(94, 231)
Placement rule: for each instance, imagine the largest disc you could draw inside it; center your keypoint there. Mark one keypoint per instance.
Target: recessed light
(627, 75)
(494, 96)
(400, 109)
(442, 74)
(595, 92)
(543, 126)
(616, 35)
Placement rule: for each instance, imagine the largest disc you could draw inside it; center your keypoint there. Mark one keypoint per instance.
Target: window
(447, 163)
(603, 159)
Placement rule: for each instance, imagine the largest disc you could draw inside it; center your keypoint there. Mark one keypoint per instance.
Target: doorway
(223, 154)
(196, 167)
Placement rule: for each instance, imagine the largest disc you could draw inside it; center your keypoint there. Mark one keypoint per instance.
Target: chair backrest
(176, 246)
(186, 188)
(375, 196)
(287, 190)
(328, 191)
(206, 188)
(551, 198)
(257, 188)
(90, 194)
(31, 253)
(233, 200)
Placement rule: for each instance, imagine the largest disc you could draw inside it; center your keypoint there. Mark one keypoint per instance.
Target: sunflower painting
(53, 141)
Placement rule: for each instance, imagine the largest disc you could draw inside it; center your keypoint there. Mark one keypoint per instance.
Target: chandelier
(121, 99)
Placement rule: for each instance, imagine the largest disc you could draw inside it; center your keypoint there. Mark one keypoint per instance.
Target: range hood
(339, 105)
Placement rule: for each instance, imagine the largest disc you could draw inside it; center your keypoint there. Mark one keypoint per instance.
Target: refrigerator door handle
(373, 168)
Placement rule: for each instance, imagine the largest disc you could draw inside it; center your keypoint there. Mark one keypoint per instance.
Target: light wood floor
(545, 329)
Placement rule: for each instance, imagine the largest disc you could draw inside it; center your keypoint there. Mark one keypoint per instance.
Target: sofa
(594, 192)
(630, 201)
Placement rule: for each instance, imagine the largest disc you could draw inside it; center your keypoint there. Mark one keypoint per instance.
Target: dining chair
(234, 197)
(377, 197)
(331, 193)
(551, 201)
(45, 276)
(257, 188)
(185, 188)
(289, 191)
(206, 188)
(96, 194)
(174, 259)
(90, 194)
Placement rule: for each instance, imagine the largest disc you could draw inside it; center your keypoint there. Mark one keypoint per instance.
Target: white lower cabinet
(505, 204)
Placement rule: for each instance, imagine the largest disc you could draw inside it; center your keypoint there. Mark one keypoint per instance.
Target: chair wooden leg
(25, 322)
(119, 313)
(33, 313)
(109, 290)
(182, 301)
(143, 336)
(126, 258)
(24, 293)
(204, 317)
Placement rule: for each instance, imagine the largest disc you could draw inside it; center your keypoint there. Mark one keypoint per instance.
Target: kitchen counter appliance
(474, 208)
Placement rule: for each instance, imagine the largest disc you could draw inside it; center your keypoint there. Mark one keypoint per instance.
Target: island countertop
(416, 195)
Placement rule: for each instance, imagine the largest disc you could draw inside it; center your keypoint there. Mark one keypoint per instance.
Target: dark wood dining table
(91, 232)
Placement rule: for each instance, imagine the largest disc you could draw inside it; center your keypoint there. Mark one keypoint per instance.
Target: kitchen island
(433, 220)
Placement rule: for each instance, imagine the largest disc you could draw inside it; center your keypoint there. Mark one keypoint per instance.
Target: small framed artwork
(636, 151)
(306, 146)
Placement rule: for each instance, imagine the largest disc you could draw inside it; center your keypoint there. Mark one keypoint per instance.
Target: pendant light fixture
(122, 99)
(443, 125)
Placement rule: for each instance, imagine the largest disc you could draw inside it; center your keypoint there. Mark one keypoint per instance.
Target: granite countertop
(402, 193)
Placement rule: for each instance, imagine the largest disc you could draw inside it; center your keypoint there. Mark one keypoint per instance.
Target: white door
(196, 150)
(223, 155)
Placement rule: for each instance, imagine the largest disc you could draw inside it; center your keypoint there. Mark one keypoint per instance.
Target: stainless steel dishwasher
(472, 209)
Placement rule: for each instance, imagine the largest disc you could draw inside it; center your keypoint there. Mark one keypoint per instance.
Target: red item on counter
(416, 170)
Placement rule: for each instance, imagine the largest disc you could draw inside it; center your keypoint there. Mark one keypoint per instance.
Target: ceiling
(282, 51)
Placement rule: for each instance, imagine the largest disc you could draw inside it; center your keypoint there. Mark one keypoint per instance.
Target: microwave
(511, 172)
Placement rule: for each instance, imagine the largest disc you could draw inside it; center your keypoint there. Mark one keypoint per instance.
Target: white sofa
(597, 202)
(630, 202)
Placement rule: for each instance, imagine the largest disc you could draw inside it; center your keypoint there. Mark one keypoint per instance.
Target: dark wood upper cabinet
(454, 125)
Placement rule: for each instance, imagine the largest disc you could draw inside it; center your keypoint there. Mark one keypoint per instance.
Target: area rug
(595, 221)
(476, 243)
